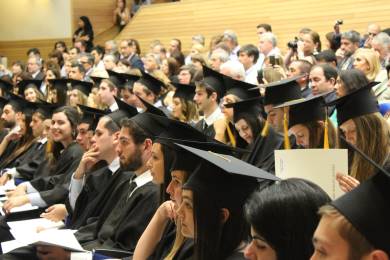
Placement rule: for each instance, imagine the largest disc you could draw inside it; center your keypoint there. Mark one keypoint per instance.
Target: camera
(339, 22)
(293, 44)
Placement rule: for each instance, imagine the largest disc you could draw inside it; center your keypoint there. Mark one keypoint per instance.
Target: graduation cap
(184, 91)
(214, 80)
(6, 86)
(98, 75)
(150, 123)
(116, 78)
(151, 108)
(240, 88)
(153, 84)
(367, 206)
(130, 79)
(45, 109)
(61, 87)
(29, 83)
(358, 103)
(281, 91)
(19, 104)
(91, 116)
(302, 111)
(124, 111)
(224, 178)
(84, 86)
(251, 106)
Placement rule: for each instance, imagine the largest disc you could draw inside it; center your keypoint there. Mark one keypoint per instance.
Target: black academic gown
(97, 194)
(262, 155)
(209, 130)
(166, 242)
(28, 163)
(121, 227)
(8, 151)
(54, 188)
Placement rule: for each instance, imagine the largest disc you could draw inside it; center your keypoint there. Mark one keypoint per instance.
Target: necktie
(132, 187)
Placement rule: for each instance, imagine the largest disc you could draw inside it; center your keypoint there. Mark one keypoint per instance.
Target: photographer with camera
(305, 47)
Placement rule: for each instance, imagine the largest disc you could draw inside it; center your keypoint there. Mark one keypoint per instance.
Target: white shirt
(141, 180)
(216, 115)
(233, 55)
(114, 107)
(251, 75)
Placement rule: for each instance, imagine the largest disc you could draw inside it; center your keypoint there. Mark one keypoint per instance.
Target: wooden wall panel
(99, 12)
(209, 17)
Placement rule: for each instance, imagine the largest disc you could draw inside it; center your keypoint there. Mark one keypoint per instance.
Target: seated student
(236, 90)
(271, 212)
(355, 226)
(208, 93)
(249, 125)
(210, 213)
(67, 153)
(12, 114)
(362, 125)
(277, 93)
(349, 81)
(109, 89)
(23, 138)
(79, 93)
(149, 89)
(26, 165)
(30, 90)
(308, 121)
(183, 105)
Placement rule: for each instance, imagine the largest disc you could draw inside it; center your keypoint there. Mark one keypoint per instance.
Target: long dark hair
(285, 215)
(73, 116)
(87, 29)
(169, 156)
(353, 79)
(215, 239)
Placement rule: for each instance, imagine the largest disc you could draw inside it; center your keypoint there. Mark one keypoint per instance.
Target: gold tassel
(230, 134)
(287, 145)
(326, 129)
(265, 130)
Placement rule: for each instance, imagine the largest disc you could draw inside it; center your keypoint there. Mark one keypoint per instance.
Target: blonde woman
(367, 61)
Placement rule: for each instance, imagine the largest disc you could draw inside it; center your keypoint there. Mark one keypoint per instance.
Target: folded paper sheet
(316, 165)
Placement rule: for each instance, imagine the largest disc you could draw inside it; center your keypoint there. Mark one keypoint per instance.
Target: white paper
(62, 238)
(316, 165)
(25, 207)
(19, 229)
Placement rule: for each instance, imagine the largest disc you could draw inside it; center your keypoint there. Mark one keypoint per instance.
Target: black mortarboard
(240, 88)
(224, 178)
(151, 108)
(358, 103)
(19, 104)
(251, 106)
(184, 91)
(306, 110)
(151, 83)
(116, 78)
(150, 123)
(84, 86)
(366, 207)
(61, 86)
(214, 80)
(130, 79)
(6, 85)
(281, 91)
(124, 111)
(27, 83)
(91, 116)
(45, 109)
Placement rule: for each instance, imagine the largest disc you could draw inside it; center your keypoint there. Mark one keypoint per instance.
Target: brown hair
(358, 244)
(373, 138)
(316, 134)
